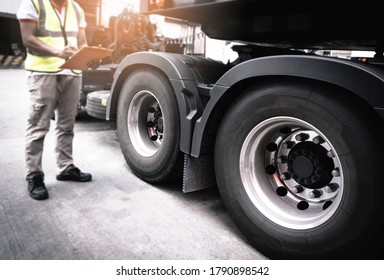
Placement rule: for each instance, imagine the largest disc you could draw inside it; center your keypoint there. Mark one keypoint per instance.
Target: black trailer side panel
(294, 24)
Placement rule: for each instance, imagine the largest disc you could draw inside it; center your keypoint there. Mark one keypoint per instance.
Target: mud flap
(198, 173)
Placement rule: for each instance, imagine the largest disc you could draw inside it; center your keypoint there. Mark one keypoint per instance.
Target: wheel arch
(360, 80)
(137, 61)
(183, 72)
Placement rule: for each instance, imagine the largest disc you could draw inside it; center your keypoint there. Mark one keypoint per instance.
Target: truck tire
(148, 127)
(96, 103)
(299, 169)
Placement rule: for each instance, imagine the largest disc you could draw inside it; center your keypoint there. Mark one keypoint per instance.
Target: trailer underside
(285, 24)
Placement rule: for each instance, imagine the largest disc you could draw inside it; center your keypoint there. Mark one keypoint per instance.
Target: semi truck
(291, 137)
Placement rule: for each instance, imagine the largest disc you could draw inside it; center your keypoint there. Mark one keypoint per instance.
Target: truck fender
(184, 73)
(362, 79)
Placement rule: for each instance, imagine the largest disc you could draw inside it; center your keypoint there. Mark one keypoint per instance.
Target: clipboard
(80, 59)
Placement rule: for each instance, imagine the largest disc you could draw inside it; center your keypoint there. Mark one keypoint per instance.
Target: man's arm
(30, 40)
(81, 39)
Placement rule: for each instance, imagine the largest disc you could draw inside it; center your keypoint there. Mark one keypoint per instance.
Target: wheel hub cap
(309, 165)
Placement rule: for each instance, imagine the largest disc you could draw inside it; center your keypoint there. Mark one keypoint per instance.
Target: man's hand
(67, 52)
(93, 64)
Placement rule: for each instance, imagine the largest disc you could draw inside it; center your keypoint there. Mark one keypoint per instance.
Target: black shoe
(36, 187)
(73, 173)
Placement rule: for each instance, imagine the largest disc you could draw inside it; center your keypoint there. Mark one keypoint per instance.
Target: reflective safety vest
(53, 33)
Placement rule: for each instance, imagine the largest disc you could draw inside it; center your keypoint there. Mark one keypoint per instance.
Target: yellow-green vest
(49, 30)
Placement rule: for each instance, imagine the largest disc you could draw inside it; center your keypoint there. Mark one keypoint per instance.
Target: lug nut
(151, 110)
(285, 176)
(298, 189)
(288, 144)
(315, 194)
(331, 188)
(330, 154)
(318, 140)
(335, 172)
(152, 133)
(282, 159)
(302, 137)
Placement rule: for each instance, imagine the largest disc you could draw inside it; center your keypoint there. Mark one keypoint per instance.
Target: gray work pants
(49, 94)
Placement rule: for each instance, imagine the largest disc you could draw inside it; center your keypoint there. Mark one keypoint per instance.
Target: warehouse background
(11, 47)
(97, 13)
(12, 51)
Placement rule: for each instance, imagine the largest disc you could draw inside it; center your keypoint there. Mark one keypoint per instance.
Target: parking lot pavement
(116, 216)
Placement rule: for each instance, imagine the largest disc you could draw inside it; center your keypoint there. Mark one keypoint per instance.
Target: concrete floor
(116, 216)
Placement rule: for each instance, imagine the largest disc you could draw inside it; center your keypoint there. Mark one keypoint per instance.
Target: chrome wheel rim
(145, 123)
(291, 173)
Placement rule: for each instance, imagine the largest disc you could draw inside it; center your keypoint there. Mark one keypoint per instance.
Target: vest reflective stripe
(50, 32)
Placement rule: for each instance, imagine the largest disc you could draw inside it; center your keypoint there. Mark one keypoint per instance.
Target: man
(52, 31)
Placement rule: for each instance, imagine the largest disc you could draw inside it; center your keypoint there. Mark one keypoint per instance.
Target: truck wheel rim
(145, 123)
(291, 173)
